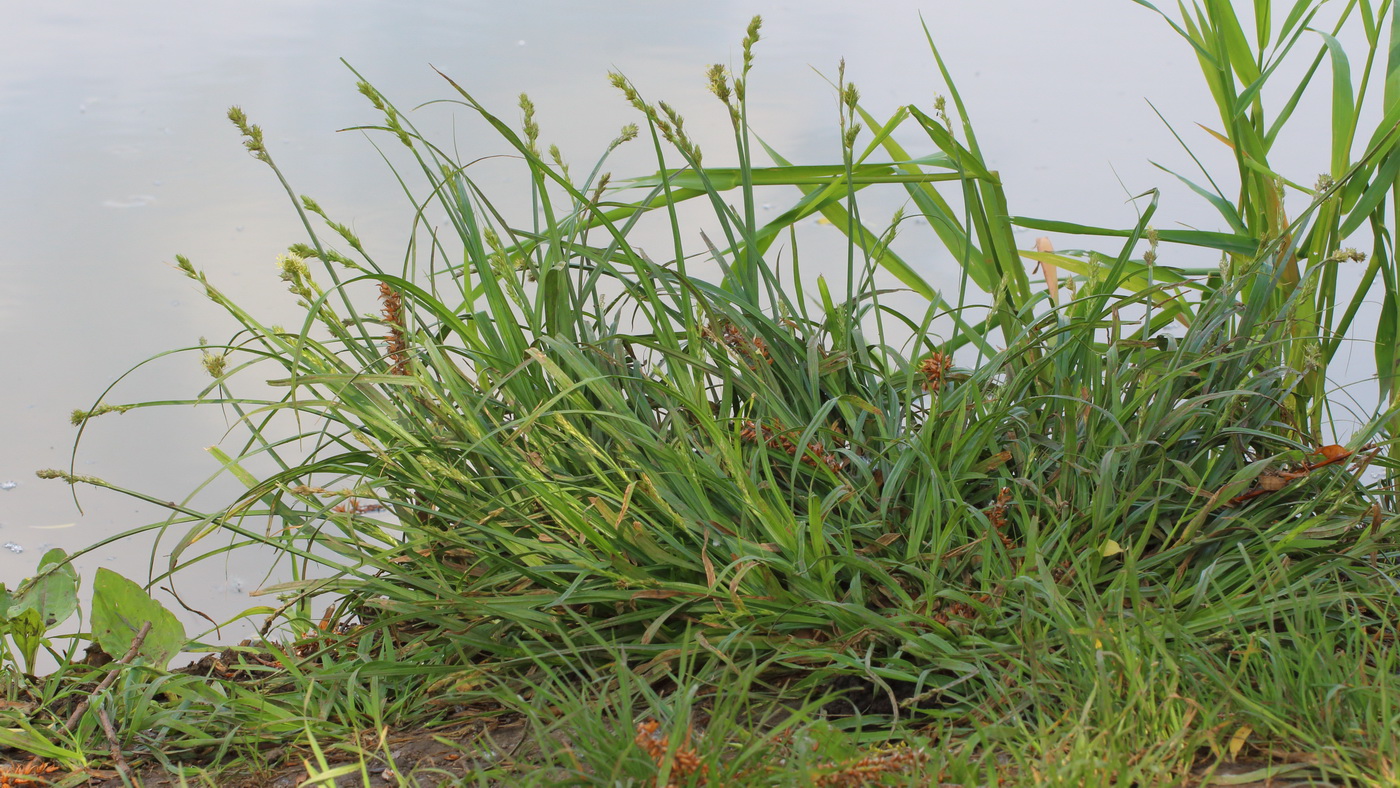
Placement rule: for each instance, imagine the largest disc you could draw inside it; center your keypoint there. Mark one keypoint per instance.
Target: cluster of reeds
(573, 467)
(638, 452)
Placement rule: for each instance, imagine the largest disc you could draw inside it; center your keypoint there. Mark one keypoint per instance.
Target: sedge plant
(535, 435)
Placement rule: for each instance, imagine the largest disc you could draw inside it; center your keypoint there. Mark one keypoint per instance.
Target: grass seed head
(531, 128)
(216, 364)
(297, 276)
(558, 158)
(718, 78)
(674, 132)
(628, 133)
(629, 92)
(751, 37)
(71, 478)
(252, 134)
(376, 99)
(80, 416)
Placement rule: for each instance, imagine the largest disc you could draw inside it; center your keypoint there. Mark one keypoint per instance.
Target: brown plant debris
(1273, 481)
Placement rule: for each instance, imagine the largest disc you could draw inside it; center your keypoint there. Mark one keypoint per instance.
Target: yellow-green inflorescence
(79, 416)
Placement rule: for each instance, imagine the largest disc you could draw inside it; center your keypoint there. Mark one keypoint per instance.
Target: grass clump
(672, 520)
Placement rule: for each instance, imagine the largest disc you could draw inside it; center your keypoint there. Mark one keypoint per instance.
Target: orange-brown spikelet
(684, 763)
(997, 515)
(775, 437)
(649, 739)
(31, 772)
(934, 368)
(393, 318)
(753, 350)
(864, 771)
(355, 506)
(945, 611)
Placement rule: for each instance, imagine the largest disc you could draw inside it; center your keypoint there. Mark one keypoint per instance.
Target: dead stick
(114, 745)
(111, 676)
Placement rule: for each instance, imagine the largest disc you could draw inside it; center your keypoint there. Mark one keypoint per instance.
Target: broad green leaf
(1343, 104)
(35, 741)
(1224, 242)
(52, 592)
(1392, 66)
(119, 609)
(1293, 32)
(1236, 43)
(27, 629)
(1385, 345)
(1262, 23)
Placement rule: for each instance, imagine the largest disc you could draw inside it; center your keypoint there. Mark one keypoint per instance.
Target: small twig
(111, 675)
(114, 745)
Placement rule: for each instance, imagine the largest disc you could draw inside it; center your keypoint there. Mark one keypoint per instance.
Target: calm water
(115, 156)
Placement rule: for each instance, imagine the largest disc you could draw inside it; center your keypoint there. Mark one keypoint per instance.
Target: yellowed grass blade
(1051, 271)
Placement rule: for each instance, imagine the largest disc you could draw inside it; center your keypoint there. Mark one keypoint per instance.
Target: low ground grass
(559, 511)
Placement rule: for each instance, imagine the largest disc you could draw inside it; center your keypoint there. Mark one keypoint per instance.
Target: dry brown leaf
(1051, 271)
